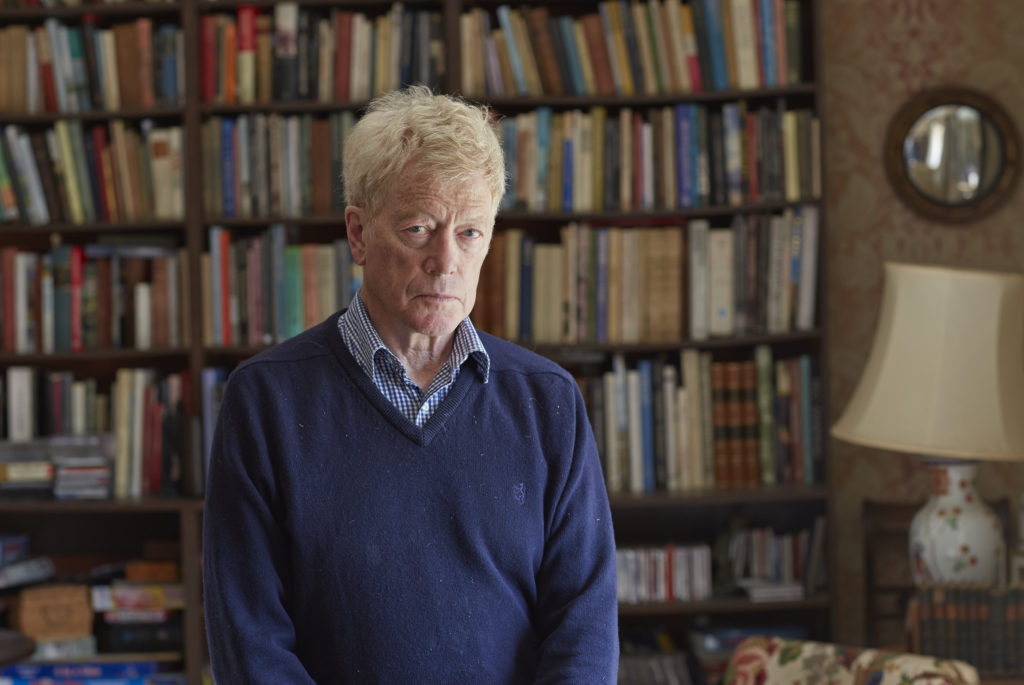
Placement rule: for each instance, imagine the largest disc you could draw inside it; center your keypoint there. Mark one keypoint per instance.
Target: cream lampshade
(945, 379)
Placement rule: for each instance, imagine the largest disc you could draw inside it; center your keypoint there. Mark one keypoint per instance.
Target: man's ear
(355, 230)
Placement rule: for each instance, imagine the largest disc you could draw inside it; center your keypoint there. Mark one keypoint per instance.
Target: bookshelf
(257, 217)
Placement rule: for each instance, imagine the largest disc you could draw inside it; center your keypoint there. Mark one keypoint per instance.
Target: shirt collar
(364, 343)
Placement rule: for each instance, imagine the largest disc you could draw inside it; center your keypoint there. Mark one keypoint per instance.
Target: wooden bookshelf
(696, 514)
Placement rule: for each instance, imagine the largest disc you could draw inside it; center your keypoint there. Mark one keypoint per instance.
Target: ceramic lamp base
(956, 537)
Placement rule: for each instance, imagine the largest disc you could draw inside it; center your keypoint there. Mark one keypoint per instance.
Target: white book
(21, 403)
(143, 316)
(721, 281)
(808, 290)
(79, 396)
(697, 232)
(636, 431)
(111, 84)
(778, 275)
(745, 44)
(140, 379)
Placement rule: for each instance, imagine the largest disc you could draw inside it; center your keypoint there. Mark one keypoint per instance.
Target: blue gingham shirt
(387, 372)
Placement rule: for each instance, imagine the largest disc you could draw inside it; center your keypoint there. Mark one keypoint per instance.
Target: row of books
(97, 296)
(262, 290)
(274, 165)
(672, 157)
(632, 48)
(768, 564)
(68, 173)
(663, 574)
(981, 625)
(70, 3)
(299, 53)
(706, 424)
(64, 68)
(144, 410)
(653, 284)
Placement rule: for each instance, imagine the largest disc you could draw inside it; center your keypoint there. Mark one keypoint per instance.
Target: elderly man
(394, 497)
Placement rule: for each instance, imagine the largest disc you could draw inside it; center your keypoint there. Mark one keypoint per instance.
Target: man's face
(422, 254)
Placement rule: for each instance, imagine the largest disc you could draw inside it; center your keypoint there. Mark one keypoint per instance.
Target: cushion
(764, 660)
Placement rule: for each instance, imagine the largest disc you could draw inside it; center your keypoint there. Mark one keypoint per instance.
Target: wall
(875, 54)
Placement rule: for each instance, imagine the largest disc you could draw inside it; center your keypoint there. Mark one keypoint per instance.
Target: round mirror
(952, 154)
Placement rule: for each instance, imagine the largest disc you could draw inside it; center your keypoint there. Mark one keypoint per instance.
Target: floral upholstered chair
(770, 660)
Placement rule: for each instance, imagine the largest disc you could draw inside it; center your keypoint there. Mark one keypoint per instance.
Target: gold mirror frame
(895, 162)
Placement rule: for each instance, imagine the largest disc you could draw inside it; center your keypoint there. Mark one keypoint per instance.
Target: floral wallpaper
(875, 54)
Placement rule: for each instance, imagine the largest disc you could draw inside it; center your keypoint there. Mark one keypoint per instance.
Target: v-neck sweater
(344, 544)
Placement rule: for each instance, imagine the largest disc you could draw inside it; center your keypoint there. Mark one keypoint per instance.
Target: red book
(144, 35)
(230, 67)
(7, 255)
(208, 61)
(44, 56)
(77, 274)
(342, 54)
(157, 450)
(245, 64)
(225, 288)
(99, 140)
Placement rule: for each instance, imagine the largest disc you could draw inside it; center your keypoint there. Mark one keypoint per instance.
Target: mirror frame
(895, 164)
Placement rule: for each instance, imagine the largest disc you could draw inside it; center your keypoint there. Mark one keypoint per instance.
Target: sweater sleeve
(577, 609)
(246, 582)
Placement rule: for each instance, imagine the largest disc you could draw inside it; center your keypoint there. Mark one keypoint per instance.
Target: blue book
(543, 154)
(647, 421)
(84, 670)
(97, 39)
(768, 47)
(526, 288)
(211, 380)
(227, 165)
(577, 84)
(215, 280)
(167, 40)
(684, 169)
(716, 42)
(505, 21)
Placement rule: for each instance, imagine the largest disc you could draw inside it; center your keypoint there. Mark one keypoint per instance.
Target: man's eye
(417, 230)
(472, 233)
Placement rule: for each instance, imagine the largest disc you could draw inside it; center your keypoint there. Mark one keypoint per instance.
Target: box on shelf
(53, 612)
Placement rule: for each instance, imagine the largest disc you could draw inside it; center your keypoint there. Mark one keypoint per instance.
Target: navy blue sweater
(344, 544)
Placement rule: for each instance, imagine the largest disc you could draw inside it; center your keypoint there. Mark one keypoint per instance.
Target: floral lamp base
(956, 537)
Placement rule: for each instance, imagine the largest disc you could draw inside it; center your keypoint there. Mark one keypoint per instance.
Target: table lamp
(945, 380)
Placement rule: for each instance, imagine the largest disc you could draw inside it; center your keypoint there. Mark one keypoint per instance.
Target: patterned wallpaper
(876, 53)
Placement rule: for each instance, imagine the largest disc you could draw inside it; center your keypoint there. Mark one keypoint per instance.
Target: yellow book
(791, 155)
(615, 10)
(599, 117)
(614, 285)
(67, 163)
(589, 82)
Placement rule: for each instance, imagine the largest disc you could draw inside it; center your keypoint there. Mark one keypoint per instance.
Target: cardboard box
(54, 612)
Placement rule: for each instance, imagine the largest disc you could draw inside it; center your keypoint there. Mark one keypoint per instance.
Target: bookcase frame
(652, 512)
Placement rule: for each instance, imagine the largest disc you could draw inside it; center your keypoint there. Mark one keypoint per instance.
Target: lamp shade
(945, 376)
